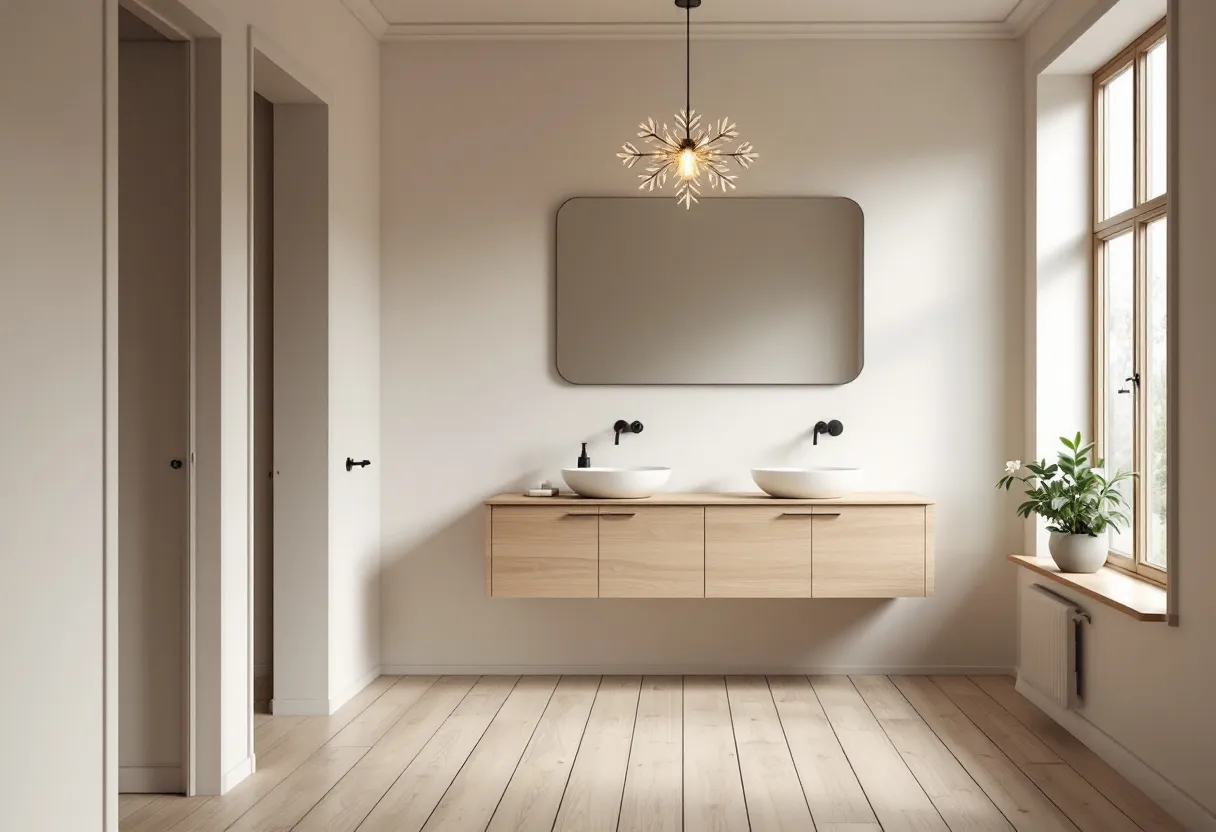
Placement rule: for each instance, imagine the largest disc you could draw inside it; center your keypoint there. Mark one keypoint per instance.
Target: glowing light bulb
(688, 164)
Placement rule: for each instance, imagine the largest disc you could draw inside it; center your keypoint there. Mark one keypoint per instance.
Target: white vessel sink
(807, 483)
(616, 483)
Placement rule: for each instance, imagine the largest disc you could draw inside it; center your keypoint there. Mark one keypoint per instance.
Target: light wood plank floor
(712, 754)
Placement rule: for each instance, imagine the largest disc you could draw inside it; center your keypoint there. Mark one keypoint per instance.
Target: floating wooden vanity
(709, 546)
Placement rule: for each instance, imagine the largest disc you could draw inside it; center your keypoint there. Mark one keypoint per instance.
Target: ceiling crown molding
(1015, 24)
(703, 31)
(365, 12)
(1024, 14)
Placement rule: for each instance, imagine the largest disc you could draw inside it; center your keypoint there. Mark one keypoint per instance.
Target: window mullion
(1140, 420)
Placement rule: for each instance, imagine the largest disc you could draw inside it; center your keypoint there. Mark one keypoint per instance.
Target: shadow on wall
(616, 635)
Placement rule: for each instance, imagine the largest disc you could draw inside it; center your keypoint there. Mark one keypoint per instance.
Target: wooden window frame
(1137, 219)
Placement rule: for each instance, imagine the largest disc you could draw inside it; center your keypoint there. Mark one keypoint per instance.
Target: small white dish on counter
(616, 483)
(807, 483)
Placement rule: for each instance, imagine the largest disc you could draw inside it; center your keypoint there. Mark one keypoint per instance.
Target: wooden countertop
(739, 499)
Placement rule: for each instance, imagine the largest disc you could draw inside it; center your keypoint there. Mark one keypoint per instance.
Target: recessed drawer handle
(621, 514)
(797, 514)
(828, 514)
(580, 514)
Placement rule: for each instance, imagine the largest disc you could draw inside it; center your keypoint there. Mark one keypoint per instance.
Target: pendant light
(691, 151)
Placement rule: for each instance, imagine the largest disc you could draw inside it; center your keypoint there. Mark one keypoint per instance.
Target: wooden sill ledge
(1142, 600)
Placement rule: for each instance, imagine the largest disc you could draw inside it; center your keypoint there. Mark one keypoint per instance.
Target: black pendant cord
(688, 73)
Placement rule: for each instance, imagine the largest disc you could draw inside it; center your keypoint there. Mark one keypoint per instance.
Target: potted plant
(1078, 502)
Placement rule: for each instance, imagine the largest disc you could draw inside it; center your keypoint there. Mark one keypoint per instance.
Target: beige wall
(52, 516)
(154, 410)
(53, 576)
(482, 143)
(1148, 686)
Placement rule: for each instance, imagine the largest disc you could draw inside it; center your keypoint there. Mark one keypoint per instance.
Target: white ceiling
(630, 18)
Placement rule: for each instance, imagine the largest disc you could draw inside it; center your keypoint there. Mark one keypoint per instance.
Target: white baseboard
(359, 684)
(238, 773)
(1165, 794)
(150, 780)
(684, 670)
(323, 707)
(300, 707)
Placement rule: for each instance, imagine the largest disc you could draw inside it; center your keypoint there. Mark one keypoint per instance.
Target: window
(1130, 229)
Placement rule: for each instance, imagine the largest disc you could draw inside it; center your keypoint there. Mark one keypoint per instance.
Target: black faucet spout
(832, 428)
(622, 426)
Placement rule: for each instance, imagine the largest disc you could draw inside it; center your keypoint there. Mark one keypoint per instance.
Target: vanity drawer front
(544, 552)
(652, 552)
(869, 552)
(757, 552)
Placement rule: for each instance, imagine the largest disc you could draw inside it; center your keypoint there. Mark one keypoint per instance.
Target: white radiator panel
(1049, 646)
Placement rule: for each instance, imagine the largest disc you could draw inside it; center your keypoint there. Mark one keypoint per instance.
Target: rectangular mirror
(733, 291)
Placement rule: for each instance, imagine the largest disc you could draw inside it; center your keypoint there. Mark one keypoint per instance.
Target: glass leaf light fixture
(693, 149)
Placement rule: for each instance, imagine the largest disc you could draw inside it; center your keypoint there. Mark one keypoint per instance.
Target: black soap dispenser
(584, 461)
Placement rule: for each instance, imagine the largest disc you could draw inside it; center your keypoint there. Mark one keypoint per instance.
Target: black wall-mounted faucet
(832, 428)
(622, 426)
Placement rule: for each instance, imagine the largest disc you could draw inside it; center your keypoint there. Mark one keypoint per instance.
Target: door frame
(198, 25)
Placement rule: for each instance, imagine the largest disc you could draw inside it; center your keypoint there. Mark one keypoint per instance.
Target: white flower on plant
(1013, 466)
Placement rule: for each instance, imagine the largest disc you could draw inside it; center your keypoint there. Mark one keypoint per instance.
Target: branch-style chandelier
(700, 150)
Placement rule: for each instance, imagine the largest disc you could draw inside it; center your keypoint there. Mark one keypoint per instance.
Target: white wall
(483, 141)
(51, 484)
(1149, 686)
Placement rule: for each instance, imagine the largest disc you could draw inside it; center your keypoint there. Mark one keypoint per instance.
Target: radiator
(1051, 646)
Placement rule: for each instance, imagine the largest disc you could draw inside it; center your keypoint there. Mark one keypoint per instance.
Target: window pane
(1155, 390)
(1155, 113)
(1118, 134)
(1120, 364)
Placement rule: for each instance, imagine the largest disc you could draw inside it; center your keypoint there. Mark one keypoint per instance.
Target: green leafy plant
(1070, 493)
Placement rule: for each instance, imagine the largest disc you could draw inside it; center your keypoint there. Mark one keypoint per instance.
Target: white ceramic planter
(1078, 553)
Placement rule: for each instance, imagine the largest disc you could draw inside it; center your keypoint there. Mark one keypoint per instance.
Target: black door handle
(175, 464)
(351, 463)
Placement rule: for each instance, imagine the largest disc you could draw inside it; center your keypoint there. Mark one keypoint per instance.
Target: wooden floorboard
(1022, 803)
(702, 754)
(713, 785)
(832, 791)
(409, 803)
(770, 782)
(592, 800)
(654, 786)
(531, 801)
(475, 793)
(1084, 805)
(962, 804)
(897, 798)
(1130, 800)
(352, 800)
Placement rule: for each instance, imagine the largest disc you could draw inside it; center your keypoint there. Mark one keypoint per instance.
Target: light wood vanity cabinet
(711, 546)
(652, 552)
(757, 552)
(545, 552)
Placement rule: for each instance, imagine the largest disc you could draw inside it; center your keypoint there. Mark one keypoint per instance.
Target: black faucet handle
(832, 428)
(635, 427)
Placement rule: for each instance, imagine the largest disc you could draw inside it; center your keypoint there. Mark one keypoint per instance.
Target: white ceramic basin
(807, 483)
(616, 483)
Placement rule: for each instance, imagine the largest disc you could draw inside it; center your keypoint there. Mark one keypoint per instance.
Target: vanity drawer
(544, 552)
(758, 552)
(869, 552)
(652, 552)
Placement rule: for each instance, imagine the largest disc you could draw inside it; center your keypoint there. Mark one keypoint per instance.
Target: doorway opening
(289, 301)
(154, 401)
